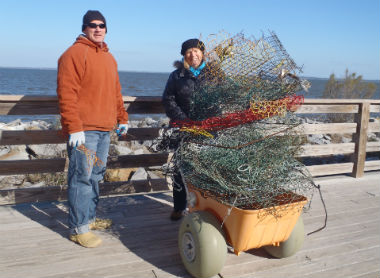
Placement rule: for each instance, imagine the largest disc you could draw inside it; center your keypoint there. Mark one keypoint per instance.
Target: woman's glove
(122, 129)
(76, 139)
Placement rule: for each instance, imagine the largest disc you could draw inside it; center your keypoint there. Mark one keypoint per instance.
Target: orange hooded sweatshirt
(88, 88)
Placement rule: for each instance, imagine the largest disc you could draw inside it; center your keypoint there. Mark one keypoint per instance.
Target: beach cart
(205, 232)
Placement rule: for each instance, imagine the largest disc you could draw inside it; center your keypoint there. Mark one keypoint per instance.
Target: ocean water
(16, 81)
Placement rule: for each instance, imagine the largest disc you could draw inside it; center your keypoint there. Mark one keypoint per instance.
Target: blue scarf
(198, 70)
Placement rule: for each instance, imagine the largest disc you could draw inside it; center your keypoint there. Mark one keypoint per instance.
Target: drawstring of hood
(84, 40)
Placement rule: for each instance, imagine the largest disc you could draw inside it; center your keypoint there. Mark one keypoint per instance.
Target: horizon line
(163, 72)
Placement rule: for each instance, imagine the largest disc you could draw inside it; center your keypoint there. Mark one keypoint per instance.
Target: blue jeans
(87, 166)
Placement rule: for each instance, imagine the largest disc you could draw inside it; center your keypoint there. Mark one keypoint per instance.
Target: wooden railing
(42, 105)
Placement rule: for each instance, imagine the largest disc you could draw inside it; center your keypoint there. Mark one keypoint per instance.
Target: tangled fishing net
(239, 143)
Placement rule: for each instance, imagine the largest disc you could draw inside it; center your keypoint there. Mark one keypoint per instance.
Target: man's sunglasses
(94, 25)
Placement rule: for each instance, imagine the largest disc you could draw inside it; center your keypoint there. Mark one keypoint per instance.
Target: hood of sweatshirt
(83, 40)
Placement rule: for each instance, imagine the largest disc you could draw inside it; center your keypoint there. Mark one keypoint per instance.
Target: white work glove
(122, 129)
(76, 139)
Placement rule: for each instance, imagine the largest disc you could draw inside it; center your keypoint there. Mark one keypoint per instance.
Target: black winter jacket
(178, 91)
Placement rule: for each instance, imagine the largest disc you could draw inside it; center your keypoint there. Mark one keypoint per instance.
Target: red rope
(257, 111)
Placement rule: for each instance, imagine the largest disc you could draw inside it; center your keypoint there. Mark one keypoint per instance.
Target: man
(91, 105)
(176, 100)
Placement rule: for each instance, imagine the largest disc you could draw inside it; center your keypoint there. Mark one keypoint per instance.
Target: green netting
(247, 166)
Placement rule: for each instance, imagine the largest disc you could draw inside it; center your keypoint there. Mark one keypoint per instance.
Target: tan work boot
(88, 240)
(100, 224)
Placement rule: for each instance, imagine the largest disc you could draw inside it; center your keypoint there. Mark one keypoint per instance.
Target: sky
(323, 36)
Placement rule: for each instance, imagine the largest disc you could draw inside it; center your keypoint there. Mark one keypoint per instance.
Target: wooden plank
(347, 265)
(327, 108)
(39, 98)
(339, 257)
(339, 101)
(51, 108)
(327, 149)
(67, 255)
(329, 128)
(34, 137)
(300, 267)
(325, 128)
(361, 140)
(144, 108)
(36, 98)
(330, 169)
(132, 187)
(142, 160)
(31, 137)
(372, 165)
(130, 99)
(145, 133)
(35, 166)
(46, 108)
(333, 149)
(374, 108)
(37, 105)
(373, 127)
(29, 105)
(58, 193)
(19, 167)
(373, 147)
(29, 108)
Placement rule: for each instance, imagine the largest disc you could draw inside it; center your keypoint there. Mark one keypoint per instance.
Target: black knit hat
(92, 15)
(192, 43)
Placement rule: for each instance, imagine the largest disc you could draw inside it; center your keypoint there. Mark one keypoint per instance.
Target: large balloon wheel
(201, 244)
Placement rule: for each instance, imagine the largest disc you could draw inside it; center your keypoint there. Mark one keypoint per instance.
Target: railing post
(361, 139)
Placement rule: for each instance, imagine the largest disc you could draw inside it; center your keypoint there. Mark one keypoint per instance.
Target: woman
(176, 100)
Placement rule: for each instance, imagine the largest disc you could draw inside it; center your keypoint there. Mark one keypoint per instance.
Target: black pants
(179, 193)
(179, 190)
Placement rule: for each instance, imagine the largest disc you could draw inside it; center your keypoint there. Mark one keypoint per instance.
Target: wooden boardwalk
(143, 241)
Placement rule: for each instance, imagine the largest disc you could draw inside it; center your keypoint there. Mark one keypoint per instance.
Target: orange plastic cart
(210, 225)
